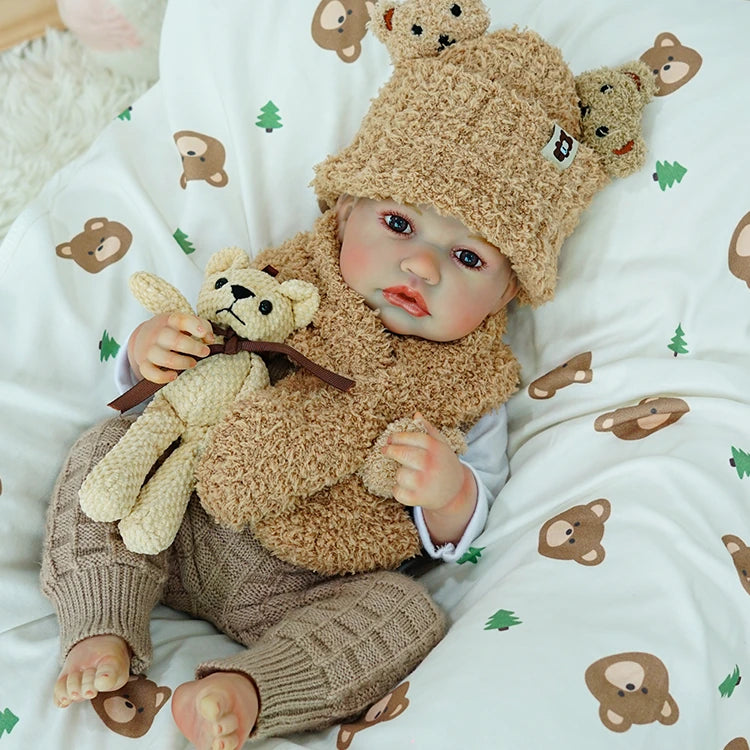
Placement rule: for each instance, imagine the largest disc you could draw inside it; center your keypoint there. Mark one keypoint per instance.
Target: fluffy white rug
(56, 98)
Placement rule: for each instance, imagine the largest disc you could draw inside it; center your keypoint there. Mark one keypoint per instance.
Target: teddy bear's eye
(220, 283)
(265, 307)
(601, 131)
(456, 10)
(604, 89)
(416, 30)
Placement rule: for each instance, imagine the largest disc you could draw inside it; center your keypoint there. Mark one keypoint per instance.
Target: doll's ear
(226, 258)
(381, 22)
(305, 300)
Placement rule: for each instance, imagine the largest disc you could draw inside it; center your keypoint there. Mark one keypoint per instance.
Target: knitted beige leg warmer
(349, 642)
(97, 585)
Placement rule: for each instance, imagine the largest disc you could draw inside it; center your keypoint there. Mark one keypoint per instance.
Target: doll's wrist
(448, 523)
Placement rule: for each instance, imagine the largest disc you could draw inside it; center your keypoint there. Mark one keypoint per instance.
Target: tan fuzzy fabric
(464, 133)
(285, 459)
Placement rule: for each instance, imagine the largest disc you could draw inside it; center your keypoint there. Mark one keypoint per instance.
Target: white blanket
(628, 630)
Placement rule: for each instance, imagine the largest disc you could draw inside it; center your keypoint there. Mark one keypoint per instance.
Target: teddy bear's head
(424, 28)
(612, 102)
(251, 302)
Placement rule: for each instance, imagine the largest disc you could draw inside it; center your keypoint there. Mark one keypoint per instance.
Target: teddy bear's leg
(96, 585)
(153, 523)
(110, 491)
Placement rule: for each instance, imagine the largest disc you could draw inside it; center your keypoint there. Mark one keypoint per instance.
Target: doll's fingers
(156, 374)
(408, 455)
(190, 324)
(432, 431)
(169, 360)
(176, 341)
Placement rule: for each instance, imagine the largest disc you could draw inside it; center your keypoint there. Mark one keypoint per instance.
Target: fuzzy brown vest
(284, 461)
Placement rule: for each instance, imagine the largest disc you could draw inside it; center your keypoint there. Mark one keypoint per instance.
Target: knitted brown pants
(320, 650)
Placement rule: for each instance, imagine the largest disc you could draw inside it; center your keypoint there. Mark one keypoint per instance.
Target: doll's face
(427, 274)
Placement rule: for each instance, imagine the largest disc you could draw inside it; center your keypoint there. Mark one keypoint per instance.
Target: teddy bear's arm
(256, 379)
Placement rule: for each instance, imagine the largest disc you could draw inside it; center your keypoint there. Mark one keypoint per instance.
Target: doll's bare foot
(217, 712)
(98, 664)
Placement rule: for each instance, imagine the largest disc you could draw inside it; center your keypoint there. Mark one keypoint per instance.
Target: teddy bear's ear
(156, 295)
(226, 258)
(305, 300)
(644, 80)
(381, 20)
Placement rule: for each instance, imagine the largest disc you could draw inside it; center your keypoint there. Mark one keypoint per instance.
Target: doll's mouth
(623, 149)
(407, 299)
(444, 41)
(231, 312)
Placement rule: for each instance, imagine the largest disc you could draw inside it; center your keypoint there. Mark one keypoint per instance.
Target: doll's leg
(103, 593)
(318, 650)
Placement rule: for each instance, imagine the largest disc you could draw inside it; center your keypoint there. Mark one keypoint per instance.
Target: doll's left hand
(429, 474)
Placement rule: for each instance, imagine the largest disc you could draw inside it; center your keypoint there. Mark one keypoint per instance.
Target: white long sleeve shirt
(486, 457)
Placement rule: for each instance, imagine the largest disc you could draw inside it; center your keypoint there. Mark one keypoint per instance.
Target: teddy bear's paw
(378, 473)
(108, 496)
(146, 538)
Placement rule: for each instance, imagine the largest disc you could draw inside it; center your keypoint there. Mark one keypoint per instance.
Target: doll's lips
(407, 299)
(232, 313)
(623, 149)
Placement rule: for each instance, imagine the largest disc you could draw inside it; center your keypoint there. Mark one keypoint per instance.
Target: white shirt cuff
(452, 552)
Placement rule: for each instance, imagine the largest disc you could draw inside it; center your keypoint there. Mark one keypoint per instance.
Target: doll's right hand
(161, 347)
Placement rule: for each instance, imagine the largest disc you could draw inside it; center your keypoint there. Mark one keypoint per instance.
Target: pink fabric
(99, 24)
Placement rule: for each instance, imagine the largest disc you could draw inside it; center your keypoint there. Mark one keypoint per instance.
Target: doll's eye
(220, 283)
(265, 307)
(416, 30)
(456, 10)
(601, 131)
(604, 89)
(398, 224)
(468, 258)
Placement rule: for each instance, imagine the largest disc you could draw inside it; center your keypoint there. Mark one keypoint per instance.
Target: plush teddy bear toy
(612, 101)
(424, 28)
(254, 305)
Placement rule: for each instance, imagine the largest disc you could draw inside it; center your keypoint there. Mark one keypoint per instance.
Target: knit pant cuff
(290, 686)
(115, 601)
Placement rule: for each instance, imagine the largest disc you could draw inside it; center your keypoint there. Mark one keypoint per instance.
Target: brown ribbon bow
(233, 344)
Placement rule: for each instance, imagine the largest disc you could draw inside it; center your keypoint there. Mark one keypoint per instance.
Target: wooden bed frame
(21, 20)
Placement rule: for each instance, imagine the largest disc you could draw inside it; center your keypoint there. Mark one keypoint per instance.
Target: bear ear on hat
(612, 101)
(381, 21)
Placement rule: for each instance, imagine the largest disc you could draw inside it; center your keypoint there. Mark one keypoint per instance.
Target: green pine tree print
(7, 721)
(678, 345)
(730, 683)
(741, 462)
(667, 174)
(125, 114)
(108, 347)
(502, 620)
(471, 555)
(183, 241)
(269, 117)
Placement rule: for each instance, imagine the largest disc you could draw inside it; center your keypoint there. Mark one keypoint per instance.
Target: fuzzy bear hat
(487, 130)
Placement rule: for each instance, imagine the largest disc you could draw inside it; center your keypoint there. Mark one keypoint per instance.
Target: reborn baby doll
(432, 225)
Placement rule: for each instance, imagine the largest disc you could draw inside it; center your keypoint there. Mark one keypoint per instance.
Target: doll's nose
(241, 292)
(424, 265)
